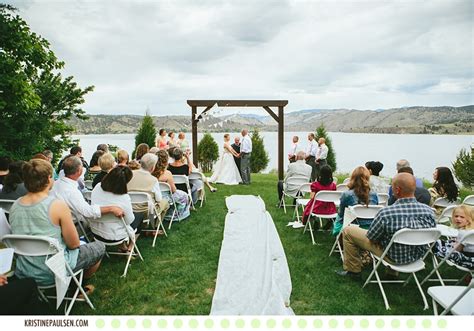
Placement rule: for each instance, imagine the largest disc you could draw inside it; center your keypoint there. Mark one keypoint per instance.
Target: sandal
(89, 289)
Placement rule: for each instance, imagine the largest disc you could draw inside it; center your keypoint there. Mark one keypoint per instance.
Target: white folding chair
(197, 176)
(443, 202)
(4, 225)
(26, 245)
(342, 187)
(142, 200)
(459, 300)
(411, 237)
(324, 196)
(360, 211)
(383, 198)
(469, 200)
(165, 187)
(183, 179)
(446, 215)
(88, 184)
(346, 180)
(302, 201)
(6, 204)
(468, 239)
(82, 224)
(111, 219)
(291, 182)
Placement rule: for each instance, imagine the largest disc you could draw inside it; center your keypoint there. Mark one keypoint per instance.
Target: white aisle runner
(253, 276)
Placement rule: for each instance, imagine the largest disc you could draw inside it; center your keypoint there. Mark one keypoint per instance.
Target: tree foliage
(208, 152)
(464, 167)
(146, 133)
(35, 100)
(331, 159)
(259, 157)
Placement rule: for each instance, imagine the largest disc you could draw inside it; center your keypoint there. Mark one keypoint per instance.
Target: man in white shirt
(296, 169)
(311, 152)
(294, 149)
(245, 151)
(66, 189)
(323, 150)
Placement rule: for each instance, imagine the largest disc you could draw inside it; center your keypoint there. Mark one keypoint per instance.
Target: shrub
(464, 167)
(259, 157)
(146, 133)
(208, 152)
(331, 159)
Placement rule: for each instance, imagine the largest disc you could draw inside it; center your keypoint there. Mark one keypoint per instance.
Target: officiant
(236, 147)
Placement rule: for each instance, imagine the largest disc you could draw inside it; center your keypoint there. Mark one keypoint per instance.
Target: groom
(245, 151)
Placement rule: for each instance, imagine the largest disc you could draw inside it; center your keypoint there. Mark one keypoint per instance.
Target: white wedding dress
(225, 169)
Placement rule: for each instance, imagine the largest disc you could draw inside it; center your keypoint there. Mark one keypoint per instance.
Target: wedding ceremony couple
(233, 166)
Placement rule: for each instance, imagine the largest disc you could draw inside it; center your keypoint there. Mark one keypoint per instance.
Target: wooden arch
(265, 104)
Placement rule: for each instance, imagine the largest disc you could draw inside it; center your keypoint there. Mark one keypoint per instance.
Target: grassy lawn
(178, 275)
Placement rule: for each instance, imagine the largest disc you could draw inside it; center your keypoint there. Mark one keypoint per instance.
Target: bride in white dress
(225, 170)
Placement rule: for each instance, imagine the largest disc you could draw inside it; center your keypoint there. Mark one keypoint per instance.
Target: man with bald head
(406, 212)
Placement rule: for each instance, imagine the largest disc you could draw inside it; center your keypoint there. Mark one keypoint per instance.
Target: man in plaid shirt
(406, 212)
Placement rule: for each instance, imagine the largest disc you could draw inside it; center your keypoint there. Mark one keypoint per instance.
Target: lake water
(425, 152)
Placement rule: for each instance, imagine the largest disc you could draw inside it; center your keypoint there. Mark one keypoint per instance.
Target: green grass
(178, 275)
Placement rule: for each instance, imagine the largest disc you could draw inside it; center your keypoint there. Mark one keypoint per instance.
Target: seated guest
(377, 183)
(421, 194)
(4, 164)
(13, 186)
(75, 151)
(443, 186)
(324, 182)
(49, 155)
(66, 189)
(94, 167)
(403, 164)
(122, 157)
(299, 169)
(103, 147)
(406, 212)
(181, 198)
(359, 194)
(144, 181)
(106, 163)
(40, 214)
(134, 165)
(112, 190)
(141, 150)
(178, 167)
(154, 150)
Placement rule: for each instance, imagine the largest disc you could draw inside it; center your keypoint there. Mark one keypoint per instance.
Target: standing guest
(94, 167)
(443, 186)
(182, 142)
(311, 152)
(50, 156)
(161, 142)
(122, 157)
(171, 141)
(178, 167)
(293, 149)
(324, 182)
(377, 183)
(405, 213)
(296, 169)
(359, 193)
(106, 163)
(40, 214)
(236, 147)
(13, 187)
(141, 150)
(421, 194)
(245, 152)
(181, 198)
(322, 154)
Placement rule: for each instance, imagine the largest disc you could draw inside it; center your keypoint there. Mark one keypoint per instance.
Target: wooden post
(194, 123)
(281, 130)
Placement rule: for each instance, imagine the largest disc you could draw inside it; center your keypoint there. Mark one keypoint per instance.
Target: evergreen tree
(464, 167)
(259, 157)
(331, 159)
(208, 152)
(146, 133)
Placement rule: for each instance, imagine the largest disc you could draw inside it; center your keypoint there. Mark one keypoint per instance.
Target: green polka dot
(286, 323)
(348, 323)
(379, 324)
(208, 323)
(146, 323)
(240, 323)
(131, 324)
(426, 324)
(100, 323)
(302, 323)
(225, 323)
(178, 323)
(333, 323)
(255, 323)
(318, 324)
(193, 323)
(115, 323)
(395, 324)
(442, 324)
(411, 323)
(364, 324)
(162, 324)
(271, 324)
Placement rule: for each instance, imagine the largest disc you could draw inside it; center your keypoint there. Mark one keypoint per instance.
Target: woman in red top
(324, 182)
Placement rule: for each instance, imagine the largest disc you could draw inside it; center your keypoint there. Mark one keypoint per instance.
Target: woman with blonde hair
(122, 157)
(359, 193)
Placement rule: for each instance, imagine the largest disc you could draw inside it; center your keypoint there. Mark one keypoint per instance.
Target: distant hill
(419, 119)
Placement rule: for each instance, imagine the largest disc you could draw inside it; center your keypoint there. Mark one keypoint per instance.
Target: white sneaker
(291, 224)
(298, 225)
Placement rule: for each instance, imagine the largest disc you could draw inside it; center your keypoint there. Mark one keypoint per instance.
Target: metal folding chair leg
(426, 306)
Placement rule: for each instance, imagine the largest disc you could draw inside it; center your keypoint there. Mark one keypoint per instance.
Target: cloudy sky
(316, 54)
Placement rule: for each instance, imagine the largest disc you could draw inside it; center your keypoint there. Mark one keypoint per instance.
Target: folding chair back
(139, 197)
(292, 182)
(416, 237)
(369, 211)
(4, 225)
(443, 202)
(305, 188)
(6, 205)
(342, 187)
(469, 200)
(328, 196)
(166, 188)
(383, 198)
(183, 179)
(457, 300)
(446, 215)
(197, 176)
